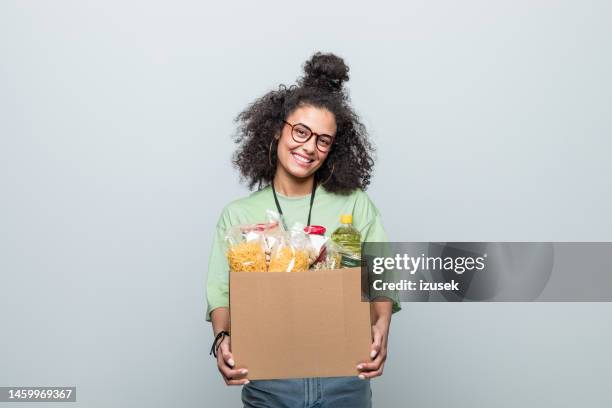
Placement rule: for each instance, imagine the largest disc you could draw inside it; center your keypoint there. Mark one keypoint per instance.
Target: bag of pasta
(246, 248)
(292, 251)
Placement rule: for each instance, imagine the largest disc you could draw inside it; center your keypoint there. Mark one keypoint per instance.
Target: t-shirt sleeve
(373, 231)
(367, 219)
(217, 281)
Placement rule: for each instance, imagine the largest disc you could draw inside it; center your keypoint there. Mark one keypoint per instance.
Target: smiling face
(302, 160)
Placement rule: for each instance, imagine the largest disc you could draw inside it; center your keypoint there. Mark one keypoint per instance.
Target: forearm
(220, 319)
(380, 311)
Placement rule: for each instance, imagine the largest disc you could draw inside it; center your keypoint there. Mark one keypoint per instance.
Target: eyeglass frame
(318, 135)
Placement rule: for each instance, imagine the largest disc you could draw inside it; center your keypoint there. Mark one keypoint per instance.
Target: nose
(311, 145)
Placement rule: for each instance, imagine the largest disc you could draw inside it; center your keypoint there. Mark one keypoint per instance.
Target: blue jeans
(316, 392)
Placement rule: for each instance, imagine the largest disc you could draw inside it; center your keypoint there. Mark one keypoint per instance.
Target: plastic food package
(332, 256)
(272, 232)
(316, 233)
(292, 252)
(246, 247)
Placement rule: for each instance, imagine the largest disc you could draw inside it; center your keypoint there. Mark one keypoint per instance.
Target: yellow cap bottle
(346, 218)
(348, 239)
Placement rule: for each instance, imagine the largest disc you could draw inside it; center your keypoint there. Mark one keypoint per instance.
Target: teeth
(302, 159)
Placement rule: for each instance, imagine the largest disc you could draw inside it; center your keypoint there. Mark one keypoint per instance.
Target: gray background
(492, 121)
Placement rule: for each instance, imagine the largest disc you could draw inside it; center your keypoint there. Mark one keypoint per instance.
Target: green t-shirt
(326, 211)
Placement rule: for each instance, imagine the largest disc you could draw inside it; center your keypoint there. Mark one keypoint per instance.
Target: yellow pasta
(288, 259)
(247, 257)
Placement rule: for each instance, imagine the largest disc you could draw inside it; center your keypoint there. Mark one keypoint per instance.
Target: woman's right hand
(225, 364)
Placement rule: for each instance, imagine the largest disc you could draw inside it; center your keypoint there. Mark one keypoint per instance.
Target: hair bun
(327, 71)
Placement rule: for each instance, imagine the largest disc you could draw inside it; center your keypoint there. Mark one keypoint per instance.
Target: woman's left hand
(378, 350)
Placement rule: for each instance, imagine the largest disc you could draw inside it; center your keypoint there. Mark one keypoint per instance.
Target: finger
(233, 374)
(226, 354)
(373, 365)
(237, 382)
(370, 374)
(376, 343)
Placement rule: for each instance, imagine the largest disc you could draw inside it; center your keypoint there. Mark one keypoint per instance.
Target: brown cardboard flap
(300, 324)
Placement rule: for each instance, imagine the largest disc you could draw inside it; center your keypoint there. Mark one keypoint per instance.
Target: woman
(296, 143)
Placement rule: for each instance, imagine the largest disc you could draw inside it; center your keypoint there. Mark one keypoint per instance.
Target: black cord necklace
(280, 211)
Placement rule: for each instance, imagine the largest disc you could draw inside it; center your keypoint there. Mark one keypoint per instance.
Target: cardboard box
(300, 324)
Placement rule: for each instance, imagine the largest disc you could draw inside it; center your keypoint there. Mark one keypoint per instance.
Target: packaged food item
(332, 257)
(292, 252)
(288, 259)
(272, 233)
(245, 249)
(349, 240)
(316, 233)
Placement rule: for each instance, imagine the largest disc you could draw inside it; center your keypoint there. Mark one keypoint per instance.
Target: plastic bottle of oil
(349, 240)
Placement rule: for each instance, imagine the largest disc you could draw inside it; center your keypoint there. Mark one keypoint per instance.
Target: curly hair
(349, 163)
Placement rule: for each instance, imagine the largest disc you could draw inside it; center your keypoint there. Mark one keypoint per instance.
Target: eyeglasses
(302, 133)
